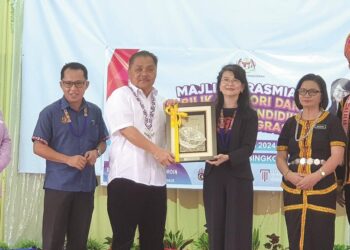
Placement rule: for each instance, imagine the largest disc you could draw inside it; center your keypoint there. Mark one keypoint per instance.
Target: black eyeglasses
(227, 81)
(310, 92)
(77, 84)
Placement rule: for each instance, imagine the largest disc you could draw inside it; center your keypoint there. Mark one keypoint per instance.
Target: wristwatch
(323, 173)
(98, 152)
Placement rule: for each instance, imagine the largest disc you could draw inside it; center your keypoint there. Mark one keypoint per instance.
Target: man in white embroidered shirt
(137, 177)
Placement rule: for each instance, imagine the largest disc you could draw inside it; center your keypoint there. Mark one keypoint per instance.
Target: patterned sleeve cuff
(37, 138)
(282, 148)
(338, 143)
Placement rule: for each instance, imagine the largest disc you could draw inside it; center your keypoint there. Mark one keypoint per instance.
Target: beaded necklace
(225, 132)
(148, 117)
(310, 129)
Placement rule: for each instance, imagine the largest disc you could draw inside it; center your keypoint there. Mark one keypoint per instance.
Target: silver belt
(309, 161)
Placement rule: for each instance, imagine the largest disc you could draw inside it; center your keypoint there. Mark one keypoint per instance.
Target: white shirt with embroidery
(125, 159)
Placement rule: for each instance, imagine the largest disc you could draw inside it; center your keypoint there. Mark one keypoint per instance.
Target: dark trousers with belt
(66, 214)
(131, 204)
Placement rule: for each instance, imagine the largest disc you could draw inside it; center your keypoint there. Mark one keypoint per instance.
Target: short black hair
(143, 53)
(76, 66)
(322, 85)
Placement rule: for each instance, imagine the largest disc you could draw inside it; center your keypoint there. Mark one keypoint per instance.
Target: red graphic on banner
(118, 69)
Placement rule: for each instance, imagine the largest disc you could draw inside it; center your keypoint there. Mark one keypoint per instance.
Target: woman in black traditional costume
(310, 147)
(343, 171)
(228, 178)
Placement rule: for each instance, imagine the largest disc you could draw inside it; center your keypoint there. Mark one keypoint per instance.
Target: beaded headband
(347, 48)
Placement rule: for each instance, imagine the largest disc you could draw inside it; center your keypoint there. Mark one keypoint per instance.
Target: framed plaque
(194, 139)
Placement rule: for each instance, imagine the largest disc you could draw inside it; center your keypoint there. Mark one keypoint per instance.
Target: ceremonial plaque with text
(191, 130)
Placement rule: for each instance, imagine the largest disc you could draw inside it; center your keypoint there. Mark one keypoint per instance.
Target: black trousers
(66, 214)
(228, 203)
(131, 204)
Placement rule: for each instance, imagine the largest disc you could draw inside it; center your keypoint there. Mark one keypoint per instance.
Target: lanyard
(71, 128)
(148, 117)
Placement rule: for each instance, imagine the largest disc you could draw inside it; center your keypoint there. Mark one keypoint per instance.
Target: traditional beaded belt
(309, 161)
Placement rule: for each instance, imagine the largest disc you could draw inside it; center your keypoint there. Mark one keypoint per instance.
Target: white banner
(276, 42)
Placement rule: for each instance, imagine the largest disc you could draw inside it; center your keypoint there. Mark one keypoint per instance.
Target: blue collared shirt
(53, 129)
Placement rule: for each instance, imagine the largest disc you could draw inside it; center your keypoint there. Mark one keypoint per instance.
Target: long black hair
(244, 97)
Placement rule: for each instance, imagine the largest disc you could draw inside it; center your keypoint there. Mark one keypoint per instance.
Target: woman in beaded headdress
(343, 170)
(310, 147)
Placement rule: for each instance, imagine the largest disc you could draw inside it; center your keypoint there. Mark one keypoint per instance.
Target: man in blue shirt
(70, 134)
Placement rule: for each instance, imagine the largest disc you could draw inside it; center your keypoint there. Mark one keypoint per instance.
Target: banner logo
(264, 174)
(201, 174)
(247, 64)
